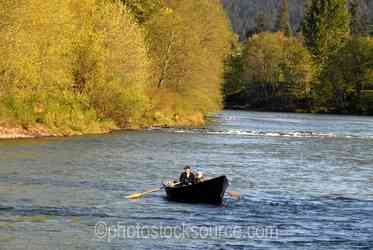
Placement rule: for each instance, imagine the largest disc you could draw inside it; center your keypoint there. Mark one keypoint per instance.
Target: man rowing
(187, 177)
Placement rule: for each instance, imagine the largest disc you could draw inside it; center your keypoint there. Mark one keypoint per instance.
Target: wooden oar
(139, 195)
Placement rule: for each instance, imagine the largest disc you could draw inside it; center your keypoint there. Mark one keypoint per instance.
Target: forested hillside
(243, 13)
(323, 63)
(92, 65)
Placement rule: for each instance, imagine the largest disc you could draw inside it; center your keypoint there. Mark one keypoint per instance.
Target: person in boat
(187, 177)
(200, 177)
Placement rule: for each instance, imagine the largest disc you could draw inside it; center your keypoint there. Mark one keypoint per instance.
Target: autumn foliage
(94, 64)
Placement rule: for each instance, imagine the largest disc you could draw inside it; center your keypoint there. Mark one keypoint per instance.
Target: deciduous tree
(188, 42)
(274, 66)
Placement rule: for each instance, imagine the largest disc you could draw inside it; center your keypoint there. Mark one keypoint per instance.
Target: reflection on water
(309, 176)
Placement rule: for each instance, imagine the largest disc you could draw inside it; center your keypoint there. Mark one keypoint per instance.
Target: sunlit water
(307, 177)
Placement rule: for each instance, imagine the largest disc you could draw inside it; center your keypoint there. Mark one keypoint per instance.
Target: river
(306, 182)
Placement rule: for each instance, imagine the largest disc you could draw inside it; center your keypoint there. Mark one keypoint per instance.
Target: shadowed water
(307, 177)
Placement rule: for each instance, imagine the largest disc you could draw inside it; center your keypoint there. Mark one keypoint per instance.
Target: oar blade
(140, 195)
(135, 196)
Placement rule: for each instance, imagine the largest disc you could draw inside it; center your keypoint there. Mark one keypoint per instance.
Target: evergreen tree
(325, 27)
(347, 72)
(262, 23)
(283, 21)
(359, 19)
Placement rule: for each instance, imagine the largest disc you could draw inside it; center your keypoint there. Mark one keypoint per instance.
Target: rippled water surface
(307, 177)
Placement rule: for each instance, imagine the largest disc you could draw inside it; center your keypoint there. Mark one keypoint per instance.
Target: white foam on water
(300, 134)
(288, 134)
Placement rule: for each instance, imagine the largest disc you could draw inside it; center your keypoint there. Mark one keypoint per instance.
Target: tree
(276, 70)
(37, 57)
(73, 64)
(359, 19)
(143, 9)
(233, 83)
(188, 41)
(91, 64)
(345, 75)
(262, 23)
(325, 27)
(298, 69)
(112, 67)
(283, 21)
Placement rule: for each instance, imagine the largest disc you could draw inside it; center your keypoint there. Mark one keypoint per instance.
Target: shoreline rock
(19, 133)
(40, 131)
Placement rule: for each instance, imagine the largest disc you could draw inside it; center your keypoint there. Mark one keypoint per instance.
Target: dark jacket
(185, 180)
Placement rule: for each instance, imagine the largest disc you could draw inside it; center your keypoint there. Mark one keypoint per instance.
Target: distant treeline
(244, 13)
(326, 66)
(84, 66)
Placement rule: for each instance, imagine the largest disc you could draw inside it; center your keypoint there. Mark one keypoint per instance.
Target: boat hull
(210, 191)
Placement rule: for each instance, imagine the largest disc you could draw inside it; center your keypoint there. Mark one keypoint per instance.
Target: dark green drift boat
(210, 191)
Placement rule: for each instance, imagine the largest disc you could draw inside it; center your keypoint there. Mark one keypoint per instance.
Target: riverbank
(19, 132)
(12, 131)
(248, 108)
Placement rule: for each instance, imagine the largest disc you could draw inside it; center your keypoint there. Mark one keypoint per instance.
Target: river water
(306, 182)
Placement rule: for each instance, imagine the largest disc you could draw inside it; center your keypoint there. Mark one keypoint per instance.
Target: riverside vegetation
(89, 66)
(326, 66)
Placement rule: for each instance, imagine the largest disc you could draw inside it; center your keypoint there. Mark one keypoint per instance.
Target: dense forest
(324, 65)
(244, 13)
(93, 65)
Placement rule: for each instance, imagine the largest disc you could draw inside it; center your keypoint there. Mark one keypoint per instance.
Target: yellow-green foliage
(271, 60)
(70, 64)
(36, 56)
(262, 58)
(345, 76)
(188, 42)
(112, 65)
(88, 65)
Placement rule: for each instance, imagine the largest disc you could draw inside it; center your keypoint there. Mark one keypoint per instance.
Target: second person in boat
(200, 177)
